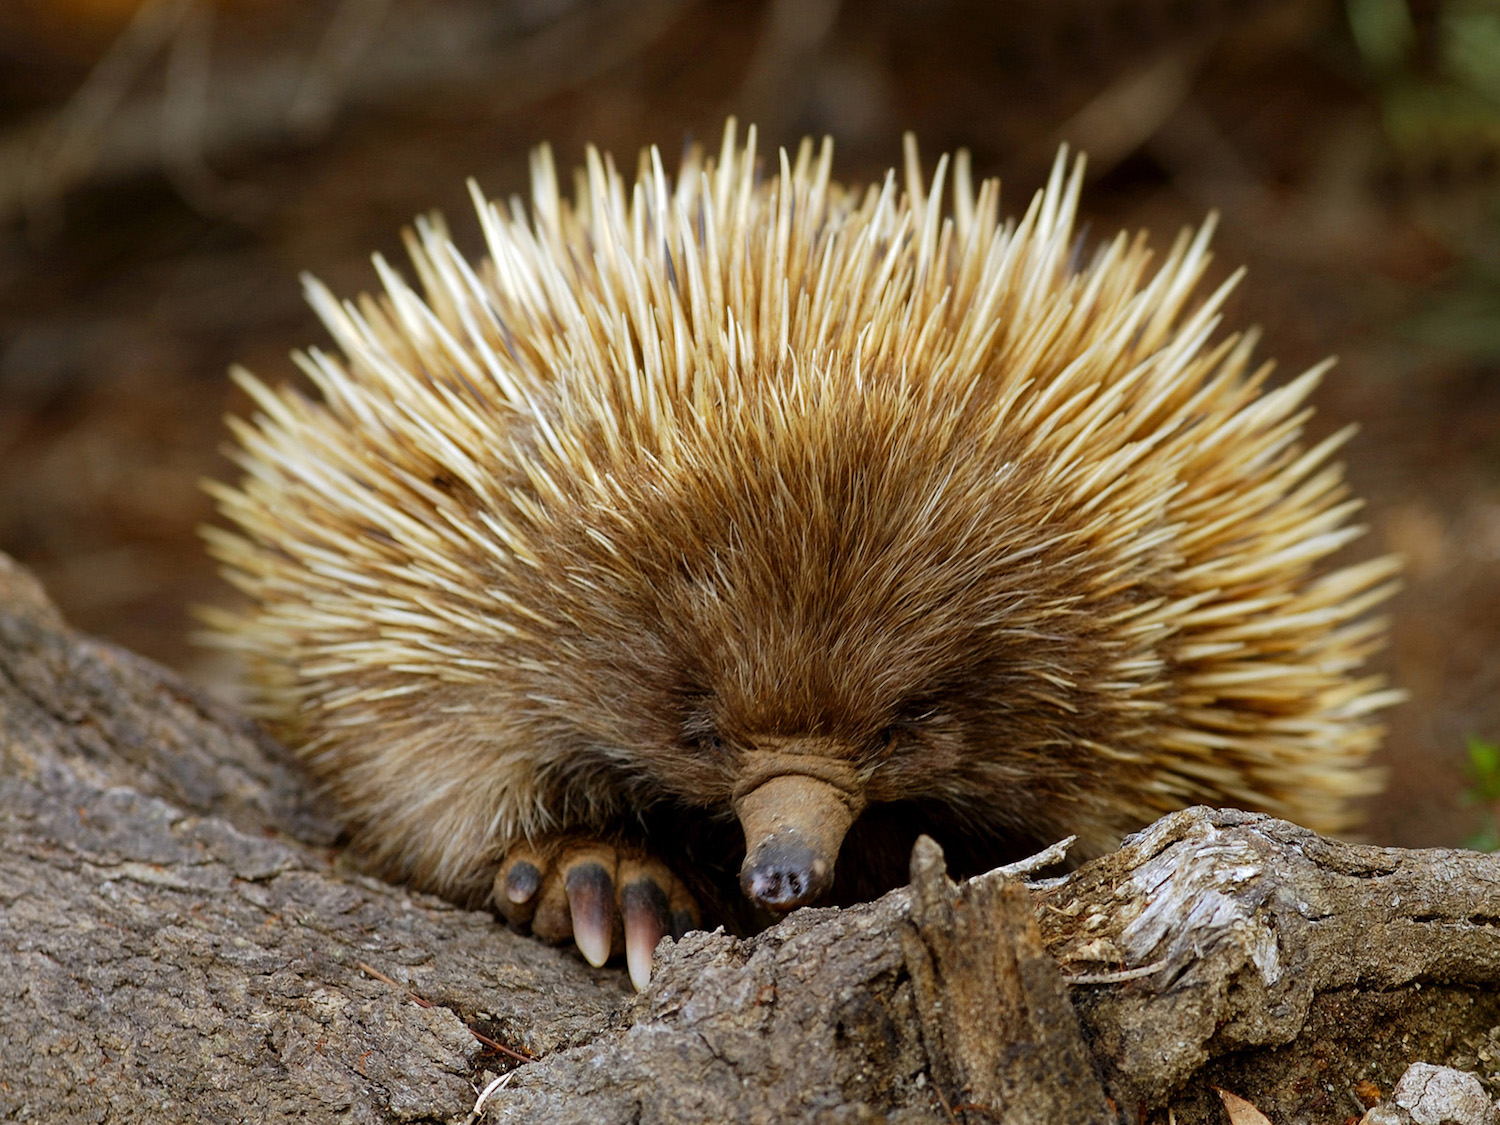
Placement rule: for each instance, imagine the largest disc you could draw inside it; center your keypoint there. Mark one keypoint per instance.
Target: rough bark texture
(180, 941)
(1247, 922)
(995, 1014)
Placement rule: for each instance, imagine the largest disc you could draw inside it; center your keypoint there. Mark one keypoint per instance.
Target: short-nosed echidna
(738, 523)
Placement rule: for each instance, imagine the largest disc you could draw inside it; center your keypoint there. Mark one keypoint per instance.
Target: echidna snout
(794, 825)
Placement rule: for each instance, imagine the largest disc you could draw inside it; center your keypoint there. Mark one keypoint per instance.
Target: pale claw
(591, 903)
(648, 919)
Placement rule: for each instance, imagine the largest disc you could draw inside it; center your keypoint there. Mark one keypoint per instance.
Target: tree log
(182, 939)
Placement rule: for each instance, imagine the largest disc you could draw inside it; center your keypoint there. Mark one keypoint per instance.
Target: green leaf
(1484, 768)
(1487, 839)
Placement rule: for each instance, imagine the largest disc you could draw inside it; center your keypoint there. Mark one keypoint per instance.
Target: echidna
(841, 514)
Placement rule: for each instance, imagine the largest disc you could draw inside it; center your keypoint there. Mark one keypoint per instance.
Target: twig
(378, 975)
(519, 1056)
(1052, 854)
(948, 1109)
(498, 1084)
(1117, 976)
(494, 1045)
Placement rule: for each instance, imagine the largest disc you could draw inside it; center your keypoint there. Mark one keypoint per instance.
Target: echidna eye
(887, 739)
(711, 744)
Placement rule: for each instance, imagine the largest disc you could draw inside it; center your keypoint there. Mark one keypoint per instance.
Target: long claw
(591, 901)
(647, 921)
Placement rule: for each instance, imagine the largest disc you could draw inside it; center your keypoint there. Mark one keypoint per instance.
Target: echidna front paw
(608, 899)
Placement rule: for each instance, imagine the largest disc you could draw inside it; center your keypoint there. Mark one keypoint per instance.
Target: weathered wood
(1245, 921)
(177, 941)
(181, 939)
(1000, 1032)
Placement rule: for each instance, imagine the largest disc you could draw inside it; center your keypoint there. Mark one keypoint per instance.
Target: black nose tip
(784, 873)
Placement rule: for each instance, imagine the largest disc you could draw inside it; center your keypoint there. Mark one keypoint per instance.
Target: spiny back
(682, 439)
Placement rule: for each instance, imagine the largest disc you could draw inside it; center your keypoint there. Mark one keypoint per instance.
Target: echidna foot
(608, 898)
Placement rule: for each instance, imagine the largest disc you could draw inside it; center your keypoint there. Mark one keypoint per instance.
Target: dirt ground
(168, 168)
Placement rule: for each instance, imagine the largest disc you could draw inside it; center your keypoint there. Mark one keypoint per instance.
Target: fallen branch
(180, 941)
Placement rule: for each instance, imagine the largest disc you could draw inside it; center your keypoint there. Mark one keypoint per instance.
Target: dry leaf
(1240, 1111)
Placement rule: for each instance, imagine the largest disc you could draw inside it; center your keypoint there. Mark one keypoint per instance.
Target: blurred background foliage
(1437, 72)
(168, 167)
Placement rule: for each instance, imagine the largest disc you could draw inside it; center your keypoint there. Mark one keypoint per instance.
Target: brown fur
(571, 540)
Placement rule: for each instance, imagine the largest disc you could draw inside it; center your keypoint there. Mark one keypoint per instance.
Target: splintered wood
(1001, 1034)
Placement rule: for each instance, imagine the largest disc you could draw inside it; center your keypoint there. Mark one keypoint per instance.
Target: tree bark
(181, 939)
